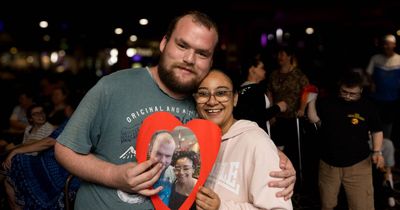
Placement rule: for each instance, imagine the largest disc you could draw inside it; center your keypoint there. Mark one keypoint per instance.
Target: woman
(287, 83)
(246, 155)
(185, 164)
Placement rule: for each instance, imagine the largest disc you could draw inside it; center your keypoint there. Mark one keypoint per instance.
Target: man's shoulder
(132, 72)
(124, 76)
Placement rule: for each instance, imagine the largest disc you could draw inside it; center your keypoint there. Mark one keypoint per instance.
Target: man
(98, 144)
(162, 148)
(384, 70)
(346, 122)
(384, 73)
(253, 104)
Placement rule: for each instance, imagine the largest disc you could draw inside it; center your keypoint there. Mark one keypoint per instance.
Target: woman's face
(215, 100)
(58, 97)
(183, 170)
(283, 58)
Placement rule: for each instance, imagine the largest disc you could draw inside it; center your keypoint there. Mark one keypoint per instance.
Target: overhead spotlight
(309, 30)
(43, 24)
(143, 21)
(118, 31)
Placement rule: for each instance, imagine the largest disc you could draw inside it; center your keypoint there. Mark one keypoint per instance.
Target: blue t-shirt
(106, 123)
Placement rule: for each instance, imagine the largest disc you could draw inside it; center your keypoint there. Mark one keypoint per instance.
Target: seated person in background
(18, 119)
(58, 97)
(38, 129)
(37, 182)
(185, 164)
(247, 154)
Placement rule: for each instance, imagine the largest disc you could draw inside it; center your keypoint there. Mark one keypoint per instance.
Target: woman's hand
(7, 162)
(207, 199)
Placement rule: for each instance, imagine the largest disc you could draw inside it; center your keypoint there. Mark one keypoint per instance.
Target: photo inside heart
(187, 151)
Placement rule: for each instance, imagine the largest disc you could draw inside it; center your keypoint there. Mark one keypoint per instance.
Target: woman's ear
(235, 99)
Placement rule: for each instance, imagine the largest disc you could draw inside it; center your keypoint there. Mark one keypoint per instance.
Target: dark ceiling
(91, 24)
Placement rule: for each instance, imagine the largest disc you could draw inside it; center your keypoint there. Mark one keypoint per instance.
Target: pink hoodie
(241, 172)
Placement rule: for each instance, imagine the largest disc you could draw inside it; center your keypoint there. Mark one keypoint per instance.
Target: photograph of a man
(162, 147)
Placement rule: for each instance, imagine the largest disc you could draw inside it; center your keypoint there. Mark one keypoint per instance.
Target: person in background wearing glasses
(246, 154)
(346, 123)
(185, 164)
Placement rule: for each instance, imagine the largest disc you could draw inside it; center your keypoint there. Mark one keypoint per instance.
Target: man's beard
(173, 83)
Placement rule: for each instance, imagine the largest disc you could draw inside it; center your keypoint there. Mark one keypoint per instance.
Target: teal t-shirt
(106, 123)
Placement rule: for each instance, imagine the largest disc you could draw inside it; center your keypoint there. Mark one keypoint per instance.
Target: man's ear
(163, 43)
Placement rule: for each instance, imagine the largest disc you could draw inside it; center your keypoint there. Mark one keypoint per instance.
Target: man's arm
(377, 158)
(288, 174)
(128, 177)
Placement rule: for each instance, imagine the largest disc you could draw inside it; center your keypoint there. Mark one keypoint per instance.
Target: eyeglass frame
(229, 94)
(184, 169)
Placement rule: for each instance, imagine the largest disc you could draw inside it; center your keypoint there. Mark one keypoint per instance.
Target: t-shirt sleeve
(82, 132)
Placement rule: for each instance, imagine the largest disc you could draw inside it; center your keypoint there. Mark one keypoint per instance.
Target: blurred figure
(253, 104)
(384, 73)
(39, 127)
(287, 84)
(37, 182)
(384, 70)
(18, 119)
(58, 98)
(18, 122)
(345, 124)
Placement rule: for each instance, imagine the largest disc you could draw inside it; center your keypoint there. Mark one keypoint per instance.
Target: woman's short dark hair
(191, 155)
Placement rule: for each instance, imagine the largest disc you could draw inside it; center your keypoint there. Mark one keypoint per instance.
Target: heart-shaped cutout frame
(208, 136)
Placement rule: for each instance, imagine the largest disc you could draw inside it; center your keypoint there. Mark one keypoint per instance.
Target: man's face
(389, 47)
(163, 148)
(186, 57)
(350, 93)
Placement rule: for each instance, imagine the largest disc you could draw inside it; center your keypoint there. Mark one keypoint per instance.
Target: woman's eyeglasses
(203, 96)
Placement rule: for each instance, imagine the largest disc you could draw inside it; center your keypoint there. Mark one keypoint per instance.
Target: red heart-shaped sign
(208, 136)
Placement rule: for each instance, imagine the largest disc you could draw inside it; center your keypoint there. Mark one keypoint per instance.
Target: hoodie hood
(238, 128)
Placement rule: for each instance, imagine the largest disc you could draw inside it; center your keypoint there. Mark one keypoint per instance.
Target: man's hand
(288, 174)
(378, 159)
(138, 177)
(207, 199)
